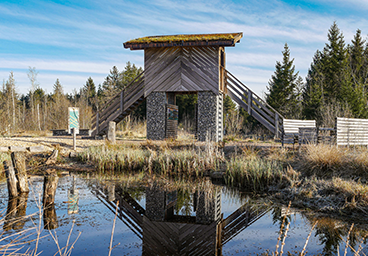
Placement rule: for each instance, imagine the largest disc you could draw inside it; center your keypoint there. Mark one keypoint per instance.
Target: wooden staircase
(123, 103)
(120, 106)
(253, 104)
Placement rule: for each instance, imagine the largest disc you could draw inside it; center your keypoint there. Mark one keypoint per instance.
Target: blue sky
(72, 40)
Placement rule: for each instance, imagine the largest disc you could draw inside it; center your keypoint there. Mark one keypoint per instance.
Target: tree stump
(111, 192)
(53, 158)
(11, 179)
(111, 132)
(19, 163)
(21, 211)
(49, 188)
(49, 217)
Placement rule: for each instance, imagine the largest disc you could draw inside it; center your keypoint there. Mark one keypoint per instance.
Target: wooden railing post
(122, 101)
(276, 125)
(249, 102)
(97, 124)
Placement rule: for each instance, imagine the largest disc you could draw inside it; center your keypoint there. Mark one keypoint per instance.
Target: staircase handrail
(254, 94)
(107, 104)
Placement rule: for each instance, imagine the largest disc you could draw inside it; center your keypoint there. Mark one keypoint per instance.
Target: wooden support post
(49, 187)
(249, 102)
(111, 132)
(19, 163)
(11, 179)
(97, 124)
(74, 131)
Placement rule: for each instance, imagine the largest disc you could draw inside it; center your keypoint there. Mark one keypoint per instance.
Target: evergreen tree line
(40, 111)
(336, 83)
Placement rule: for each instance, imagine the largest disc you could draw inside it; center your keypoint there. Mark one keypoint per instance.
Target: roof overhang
(227, 39)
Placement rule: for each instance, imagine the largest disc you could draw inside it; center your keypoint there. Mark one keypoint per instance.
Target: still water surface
(204, 219)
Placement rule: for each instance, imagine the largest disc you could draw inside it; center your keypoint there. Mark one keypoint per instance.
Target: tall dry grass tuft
(132, 127)
(163, 158)
(257, 174)
(329, 161)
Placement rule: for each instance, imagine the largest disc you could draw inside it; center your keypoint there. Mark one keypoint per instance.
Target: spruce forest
(336, 85)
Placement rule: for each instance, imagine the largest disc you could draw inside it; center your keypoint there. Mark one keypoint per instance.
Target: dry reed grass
(256, 170)
(331, 161)
(163, 158)
(20, 242)
(132, 127)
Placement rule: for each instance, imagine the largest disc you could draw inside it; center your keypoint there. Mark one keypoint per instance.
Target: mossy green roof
(228, 39)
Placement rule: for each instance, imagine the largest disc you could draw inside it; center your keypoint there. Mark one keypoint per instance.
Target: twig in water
(283, 241)
(281, 229)
(360, 246)
(347, 239)
(306, 242)
(65, 248)
(113, 228)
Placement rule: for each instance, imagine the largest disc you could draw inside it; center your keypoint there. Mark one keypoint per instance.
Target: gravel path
(47, 142)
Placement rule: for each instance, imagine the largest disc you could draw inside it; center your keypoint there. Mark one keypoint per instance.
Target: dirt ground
(66, 143)
(49, 142)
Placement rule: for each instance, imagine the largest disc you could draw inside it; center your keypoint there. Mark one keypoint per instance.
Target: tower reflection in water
(166, 230)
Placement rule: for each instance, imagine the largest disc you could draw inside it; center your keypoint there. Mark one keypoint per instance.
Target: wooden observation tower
(185, 64)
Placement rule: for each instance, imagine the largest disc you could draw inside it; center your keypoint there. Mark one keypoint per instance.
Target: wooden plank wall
(351, 131)
(291, 129)
(169, 238)
(291, 126)
(182, 69)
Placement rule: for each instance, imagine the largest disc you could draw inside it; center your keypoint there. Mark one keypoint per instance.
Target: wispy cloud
(82, 39)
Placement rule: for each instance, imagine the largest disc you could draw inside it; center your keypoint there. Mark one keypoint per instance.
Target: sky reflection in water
(94, 220)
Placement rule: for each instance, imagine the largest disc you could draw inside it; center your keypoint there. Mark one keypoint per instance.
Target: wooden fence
(290, 132)
(351, 131)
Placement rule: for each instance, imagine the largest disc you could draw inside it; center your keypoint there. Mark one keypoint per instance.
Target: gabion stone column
(156, 115)
(209, 117)
(209, 206)
(155, 203)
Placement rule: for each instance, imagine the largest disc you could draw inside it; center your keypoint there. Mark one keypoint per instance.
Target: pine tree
(112, 83)
(358, 94)
(313, 88)
(129, 73)
(357, 57)
(90, 91)
(335, 62)
(59, 111)
(284, 86)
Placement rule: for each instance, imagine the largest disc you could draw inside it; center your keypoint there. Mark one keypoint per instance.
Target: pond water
(171, 219)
